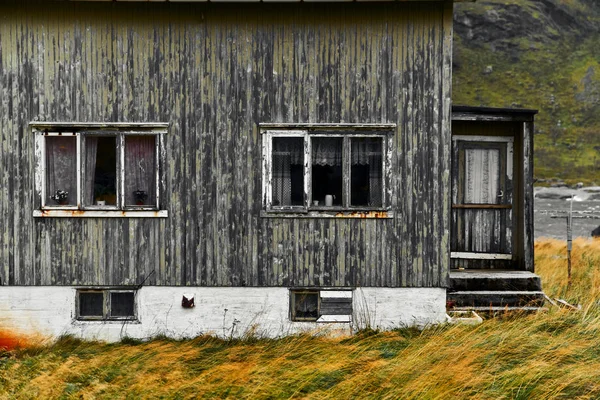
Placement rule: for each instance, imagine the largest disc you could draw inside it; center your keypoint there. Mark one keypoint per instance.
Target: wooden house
(199, 167)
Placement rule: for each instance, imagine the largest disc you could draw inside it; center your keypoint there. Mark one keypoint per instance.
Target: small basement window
(106, 304)
(321, 305)
(105, 170)
(305, 305)
(322, 169)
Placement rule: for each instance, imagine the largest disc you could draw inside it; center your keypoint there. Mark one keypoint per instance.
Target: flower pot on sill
(61, 197)
(140, 197)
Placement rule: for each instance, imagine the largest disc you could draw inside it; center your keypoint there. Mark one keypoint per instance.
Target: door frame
(509, 176)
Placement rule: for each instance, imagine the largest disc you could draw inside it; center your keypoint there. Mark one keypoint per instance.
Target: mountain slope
(542, 54)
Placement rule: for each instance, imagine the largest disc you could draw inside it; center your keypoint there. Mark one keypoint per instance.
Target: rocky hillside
(542, 54)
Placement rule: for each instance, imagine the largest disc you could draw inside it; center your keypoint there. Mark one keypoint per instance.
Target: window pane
(61, 170)
(121, 304)
(327, 171)
(91, 304)
(482, 176)
(100, 186)
(140, 170)
(288, 171)
(366, 172)
(306, 306)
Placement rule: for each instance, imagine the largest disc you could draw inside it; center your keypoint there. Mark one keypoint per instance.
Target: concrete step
(494, 280)
(484, 298)
(483, 310)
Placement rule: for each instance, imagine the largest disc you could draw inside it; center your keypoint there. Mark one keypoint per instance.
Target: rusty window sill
(100, 213)
(361, 214)
(91, 321)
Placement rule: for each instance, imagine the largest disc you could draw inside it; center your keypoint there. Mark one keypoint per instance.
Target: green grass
(555, 354)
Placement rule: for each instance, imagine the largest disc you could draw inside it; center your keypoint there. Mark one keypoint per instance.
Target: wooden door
(482, 200)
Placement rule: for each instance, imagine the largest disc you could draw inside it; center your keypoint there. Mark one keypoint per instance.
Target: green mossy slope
(537, 54)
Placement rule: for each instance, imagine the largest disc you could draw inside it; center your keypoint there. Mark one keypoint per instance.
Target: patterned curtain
(286, 152)
(327, 151)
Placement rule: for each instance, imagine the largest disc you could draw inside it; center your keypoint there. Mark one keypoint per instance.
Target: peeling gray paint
(207, 70)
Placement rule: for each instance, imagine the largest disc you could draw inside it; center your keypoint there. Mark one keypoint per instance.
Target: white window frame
(106, 304)
(308, 132)
(80, 131)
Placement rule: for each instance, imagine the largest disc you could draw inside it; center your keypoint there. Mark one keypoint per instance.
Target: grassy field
(555, 354)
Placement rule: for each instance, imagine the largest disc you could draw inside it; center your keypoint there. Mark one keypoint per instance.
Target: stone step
(494, 280)
(484, 298)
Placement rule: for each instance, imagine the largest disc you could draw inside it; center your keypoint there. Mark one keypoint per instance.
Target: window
(106, 304)
(322, 169)
(305, 305)
(321, 305)
(102, 170)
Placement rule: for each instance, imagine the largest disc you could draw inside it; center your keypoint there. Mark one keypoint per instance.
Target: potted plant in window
(60, 197)
(140, 197)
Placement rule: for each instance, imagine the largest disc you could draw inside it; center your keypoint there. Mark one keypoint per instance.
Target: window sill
(86, 321)
(364, 214)
(334, 319)
(100, 213)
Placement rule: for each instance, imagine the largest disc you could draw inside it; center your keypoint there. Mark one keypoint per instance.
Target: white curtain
(482, 177)
(327, 151)
(286, 152)
(140, 170)
(61, 168)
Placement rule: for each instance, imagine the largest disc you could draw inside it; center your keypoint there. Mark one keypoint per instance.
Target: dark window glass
(366, 185)
(306, 306)
(122, 304)
(288, 171)
(100, 186)
(327, 175)
(91, 304)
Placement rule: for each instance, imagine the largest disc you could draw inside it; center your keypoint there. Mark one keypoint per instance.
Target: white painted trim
(78, 178)
(40, 170)
(385, 127)
(74, 213)
(509, 161)
(157, 169)
(99, 125)
(337, 294)
(267, 155)
(121, 170)
(61, 134)
(480, 256)
(498, 139)
(307, 172)
(335, 319)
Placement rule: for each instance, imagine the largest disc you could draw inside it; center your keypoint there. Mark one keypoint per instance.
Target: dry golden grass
(547, 355)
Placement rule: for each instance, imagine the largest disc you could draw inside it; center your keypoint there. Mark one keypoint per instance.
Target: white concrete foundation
(225, 312)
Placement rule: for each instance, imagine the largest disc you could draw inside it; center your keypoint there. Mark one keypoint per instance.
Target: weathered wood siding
(213, 72)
